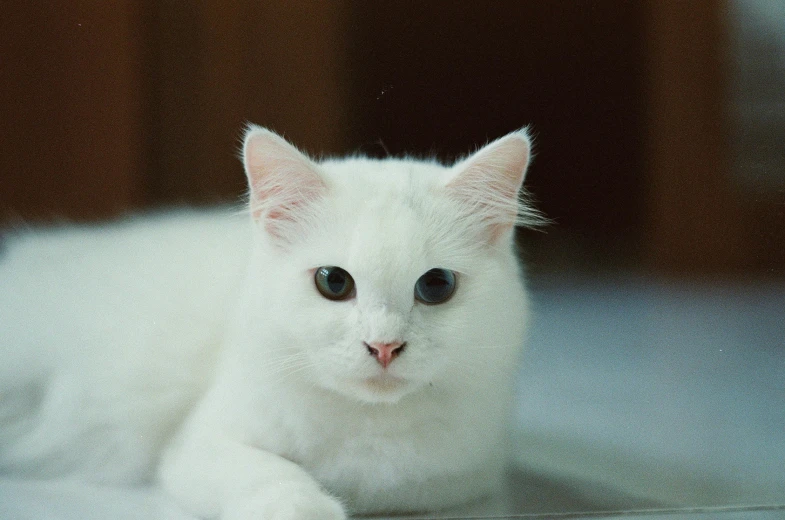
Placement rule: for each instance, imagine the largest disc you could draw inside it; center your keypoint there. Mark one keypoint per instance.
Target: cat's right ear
(283, 183)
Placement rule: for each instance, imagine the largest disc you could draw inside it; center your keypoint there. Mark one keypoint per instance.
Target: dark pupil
(336, 280)
(436, 283)
(435, 286)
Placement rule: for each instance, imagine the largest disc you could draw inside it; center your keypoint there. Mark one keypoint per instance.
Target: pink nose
(385, 352)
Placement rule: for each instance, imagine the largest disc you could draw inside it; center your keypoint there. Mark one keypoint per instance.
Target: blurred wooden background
(114, 107)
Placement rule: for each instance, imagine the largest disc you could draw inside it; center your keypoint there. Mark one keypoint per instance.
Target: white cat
(350, 347)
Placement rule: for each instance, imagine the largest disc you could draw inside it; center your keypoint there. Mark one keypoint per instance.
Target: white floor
(634, 395)
(674, 393)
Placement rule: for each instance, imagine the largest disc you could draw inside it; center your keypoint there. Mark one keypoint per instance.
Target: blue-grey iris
(435, 286)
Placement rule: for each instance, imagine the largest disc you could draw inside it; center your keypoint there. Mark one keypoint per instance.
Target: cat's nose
(385, 352)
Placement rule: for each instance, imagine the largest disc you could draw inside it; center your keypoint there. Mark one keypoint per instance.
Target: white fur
(203, 332)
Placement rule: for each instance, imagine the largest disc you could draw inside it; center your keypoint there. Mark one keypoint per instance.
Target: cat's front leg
(216, 476)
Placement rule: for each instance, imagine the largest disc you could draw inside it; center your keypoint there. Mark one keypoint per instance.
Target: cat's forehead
(386, 215)
(367, 189)
(364, 176)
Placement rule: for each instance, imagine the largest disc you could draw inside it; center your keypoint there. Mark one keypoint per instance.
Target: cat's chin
(381, 388)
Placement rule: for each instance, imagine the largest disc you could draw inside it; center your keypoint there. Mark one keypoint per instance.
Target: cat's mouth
(384, 382)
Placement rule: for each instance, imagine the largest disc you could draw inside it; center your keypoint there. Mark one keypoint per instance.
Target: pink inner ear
(283, 200)
(278, 218)
(263, 199)
(283, 182)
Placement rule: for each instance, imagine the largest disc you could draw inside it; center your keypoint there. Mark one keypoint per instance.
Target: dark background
(113, 107)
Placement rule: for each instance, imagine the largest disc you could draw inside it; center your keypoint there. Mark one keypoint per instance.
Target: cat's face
(384, 279)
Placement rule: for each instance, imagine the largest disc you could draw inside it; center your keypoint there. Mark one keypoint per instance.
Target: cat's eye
(334, 283)
(435, 286)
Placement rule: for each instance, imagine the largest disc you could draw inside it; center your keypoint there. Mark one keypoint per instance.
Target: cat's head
(379, 278)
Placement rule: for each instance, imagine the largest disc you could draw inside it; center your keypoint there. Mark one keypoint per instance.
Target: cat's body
(122, 324)
(201, 338)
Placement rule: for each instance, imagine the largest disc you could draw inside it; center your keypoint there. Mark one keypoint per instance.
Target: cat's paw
(286, 501)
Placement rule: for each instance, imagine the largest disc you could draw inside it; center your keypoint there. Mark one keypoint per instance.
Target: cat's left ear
(284, 184)
(489, 182)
